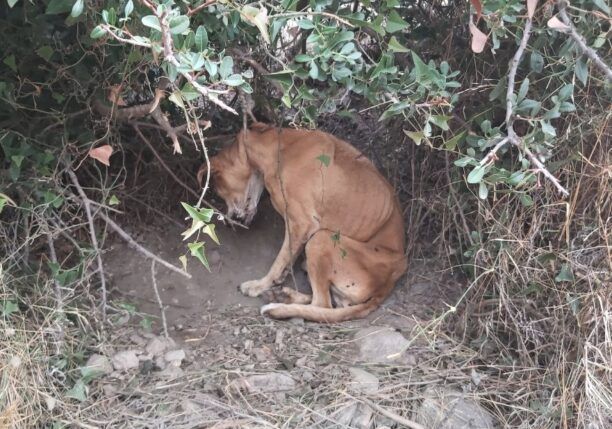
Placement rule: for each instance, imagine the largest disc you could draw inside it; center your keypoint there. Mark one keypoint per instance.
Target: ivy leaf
(113, 201)
(203, 214)
(78, 391)
(258, 18)
(183, 259)
(395, 46)
(10, 61)
(325, 160)
(416, 136)
(8, 308)
(210, 231)
(440, 121)
(12, 3)
(197, 250)
(565, 274)
(102, 154)
(45, 52)
(479, 39)
(395, 22)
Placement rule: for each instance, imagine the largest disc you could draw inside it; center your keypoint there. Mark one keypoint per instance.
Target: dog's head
(234, 180)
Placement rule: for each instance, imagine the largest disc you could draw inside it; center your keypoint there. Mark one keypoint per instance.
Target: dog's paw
(268, 308)
(253, 288)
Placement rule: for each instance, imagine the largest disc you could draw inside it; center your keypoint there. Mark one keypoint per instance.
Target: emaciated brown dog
(335, 204)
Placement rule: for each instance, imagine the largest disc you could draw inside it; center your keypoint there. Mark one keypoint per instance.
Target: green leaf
(306, 24)
(565, 274)
(97, 32)
(476, 174)
(234, 80)
(536, 62)
(547, 128)
(183, 259)
(314, 70)
(395, 46)
(303, 58)
(325, 159)
(451, 144)
(210, 231)
(179, 24)
(129, 8)
(201, 38)
(483, 191)
(77, 9)
(582, 70)
(440, 121)
(202, 214)
(227, 67)
(416, 136)
(523, 90)
(197, 250)
(464, 162)
(56, 7)
(2, 203)
(257, 17)
(8, 308)
(526, 200)
(151, 21)
(395, 22)
(12, 3)
(17, 160)
(566, 92)
(78, 391)
(45, 52)
(603, 6)
(113, 201)
(10, 61)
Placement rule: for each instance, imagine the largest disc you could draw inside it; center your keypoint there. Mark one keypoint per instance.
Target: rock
(171, 371)
(175, 357)
(354, 415)
(99, 364)
(447, 409)
(382, 345)
(125, 360)
(362, 381)
(265, 383)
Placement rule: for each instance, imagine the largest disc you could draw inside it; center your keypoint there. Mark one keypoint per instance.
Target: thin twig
(132, 243)
(92, 233)
(59, 301)
(393, 416)
(492, 155)
(159, 301)
(308, 13)
(191, 12)
(581, 42)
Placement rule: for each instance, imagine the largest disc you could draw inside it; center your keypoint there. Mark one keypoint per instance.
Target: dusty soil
(246, 255)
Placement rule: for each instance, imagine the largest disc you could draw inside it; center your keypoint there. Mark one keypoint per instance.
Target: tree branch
(581, 42)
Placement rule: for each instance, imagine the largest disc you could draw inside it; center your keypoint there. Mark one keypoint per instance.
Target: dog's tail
(320, 314)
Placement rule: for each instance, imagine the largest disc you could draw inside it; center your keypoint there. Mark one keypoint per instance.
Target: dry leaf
(478, 7)
(114, 95)
(556, 24)
(479, 39)
(102, 154)
(531, 7)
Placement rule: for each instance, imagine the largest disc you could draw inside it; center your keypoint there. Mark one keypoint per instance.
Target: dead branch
(492, 155)
(92, 233)
(159, 301)
(191, 12)
(512, 138)
(59, 301)
(581, 42)
(132, 243)
(393, 416)
(176, 178)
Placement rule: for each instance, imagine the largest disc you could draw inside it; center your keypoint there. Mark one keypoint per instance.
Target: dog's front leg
(290, 250)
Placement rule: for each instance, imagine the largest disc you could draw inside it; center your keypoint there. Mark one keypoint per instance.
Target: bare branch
(391, 415)
(158, 298)
(191, 12)
(581, 42)
(92, 234)
(492, 155)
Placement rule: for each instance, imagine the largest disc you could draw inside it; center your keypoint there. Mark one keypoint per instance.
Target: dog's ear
(202, 172)
(260, 127)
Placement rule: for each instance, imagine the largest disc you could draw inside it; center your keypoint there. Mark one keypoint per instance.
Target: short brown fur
(336, 206)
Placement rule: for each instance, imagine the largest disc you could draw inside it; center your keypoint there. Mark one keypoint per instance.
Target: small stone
(99, 364)
(248, 345)
(158, 345)
(171, 371)
(125, 360)
(383, 345)
(175, 356)
(363, 381)
(447, 409)
(265, 383)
